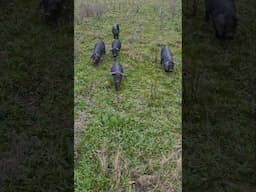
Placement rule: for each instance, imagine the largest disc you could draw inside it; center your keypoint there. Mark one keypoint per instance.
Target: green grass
(136, 133)
(36, 103)
(137, 128)
(218, 105)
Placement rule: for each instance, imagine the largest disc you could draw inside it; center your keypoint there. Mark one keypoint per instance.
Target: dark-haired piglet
(167, 59)
(116, 46)
(115, 31)
(117, 74)
(99, 51)
(223, 14)
(51, 9)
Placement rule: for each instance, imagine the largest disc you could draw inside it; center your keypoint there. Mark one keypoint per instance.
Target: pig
(167, 59)
(98, 52)
(117, 74)
(224, 16)
(116, 46)
(51, 9)
(115, 31)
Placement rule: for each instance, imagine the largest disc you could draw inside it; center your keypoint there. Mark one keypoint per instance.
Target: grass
(218, 105)
(36, 108)
(129, 140)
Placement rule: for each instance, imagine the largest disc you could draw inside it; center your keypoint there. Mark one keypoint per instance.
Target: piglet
(115, 31)
(98, 52)
(116, 46)
(117, 74)
(167, 59)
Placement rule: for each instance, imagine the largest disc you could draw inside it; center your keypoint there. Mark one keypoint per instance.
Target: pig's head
(51, 7)
(115, 52)
(225, 26)
(117, 77)
(168, 66)
(95, 58)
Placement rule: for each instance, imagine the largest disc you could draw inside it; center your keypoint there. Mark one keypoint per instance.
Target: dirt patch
(144, 183)
(167, 179)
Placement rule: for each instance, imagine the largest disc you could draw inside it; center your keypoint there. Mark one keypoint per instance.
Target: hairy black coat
(116, 46)
(167, 59)
(117, 74)
(223, 14)
(51, 9)
(98, 52)
(115, 31)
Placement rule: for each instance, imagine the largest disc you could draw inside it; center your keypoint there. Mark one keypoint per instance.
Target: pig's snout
(168, 67)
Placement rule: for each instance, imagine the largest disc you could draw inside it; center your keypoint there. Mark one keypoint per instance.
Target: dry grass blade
(103, 159)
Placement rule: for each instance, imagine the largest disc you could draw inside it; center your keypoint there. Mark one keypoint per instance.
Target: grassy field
(36, 99)
(218, 103)
(130, 140)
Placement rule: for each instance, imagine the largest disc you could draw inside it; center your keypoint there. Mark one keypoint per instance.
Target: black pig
(116, 46)
(99, 51)
(117, 73)
(167, 59)
(115, 31)
(51, 9)
(223, 14)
